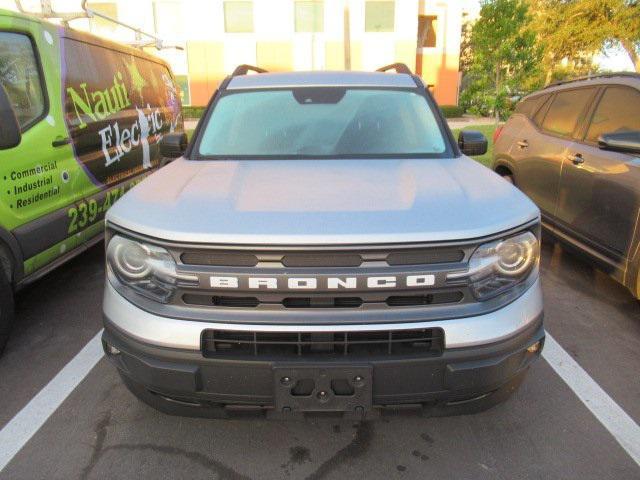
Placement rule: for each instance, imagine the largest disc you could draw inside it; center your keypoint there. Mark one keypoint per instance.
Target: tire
(509, 178)
(6, 310)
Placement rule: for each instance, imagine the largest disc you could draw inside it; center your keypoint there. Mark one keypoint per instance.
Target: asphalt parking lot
(544, 431)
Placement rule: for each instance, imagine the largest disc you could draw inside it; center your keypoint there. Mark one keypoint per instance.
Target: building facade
(214, 36)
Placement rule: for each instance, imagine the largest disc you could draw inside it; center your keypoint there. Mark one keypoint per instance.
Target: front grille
(225, 343)
(232, 301)
(340, 276)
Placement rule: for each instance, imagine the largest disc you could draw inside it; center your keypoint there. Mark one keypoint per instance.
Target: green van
(80, 123)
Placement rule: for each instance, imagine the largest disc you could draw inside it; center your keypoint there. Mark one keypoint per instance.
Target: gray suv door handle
(576, 159)
(523, 144)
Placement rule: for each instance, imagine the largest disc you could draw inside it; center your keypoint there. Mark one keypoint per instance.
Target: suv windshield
(327, 122)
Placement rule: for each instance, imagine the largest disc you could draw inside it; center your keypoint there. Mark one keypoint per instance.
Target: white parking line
(28, 421)
(609, 413)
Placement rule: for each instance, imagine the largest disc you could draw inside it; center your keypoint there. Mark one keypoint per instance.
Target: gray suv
(574, 149)
(322, 245)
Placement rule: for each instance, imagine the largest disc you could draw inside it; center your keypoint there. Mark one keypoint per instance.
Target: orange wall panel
(205, 60)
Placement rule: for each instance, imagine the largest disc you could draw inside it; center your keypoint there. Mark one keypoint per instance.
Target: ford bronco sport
(323, 245)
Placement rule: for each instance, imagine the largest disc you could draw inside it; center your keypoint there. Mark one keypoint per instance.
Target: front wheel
(509, 178)
(6, 310)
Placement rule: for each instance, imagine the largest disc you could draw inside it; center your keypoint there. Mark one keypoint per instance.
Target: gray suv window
(541, 111)
(529, 106)
(565, 110)
(618, 111)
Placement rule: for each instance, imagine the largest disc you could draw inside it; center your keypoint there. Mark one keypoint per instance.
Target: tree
(571, 30)
(466, 54)
(505, 57)
(564, 52)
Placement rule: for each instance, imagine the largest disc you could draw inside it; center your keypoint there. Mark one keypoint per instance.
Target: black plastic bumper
(463, 380)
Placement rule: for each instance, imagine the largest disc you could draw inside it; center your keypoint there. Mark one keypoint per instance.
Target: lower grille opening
(329, 302)
(225, 343)
(235, 301)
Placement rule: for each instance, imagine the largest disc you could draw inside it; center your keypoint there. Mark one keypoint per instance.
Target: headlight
(498, 266)
(147, 269)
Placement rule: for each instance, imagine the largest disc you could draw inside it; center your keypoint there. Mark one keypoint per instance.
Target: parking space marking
(28, 421)
(604, 408)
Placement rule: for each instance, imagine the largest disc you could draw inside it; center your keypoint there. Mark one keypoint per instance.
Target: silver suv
(574, 148)
(322, 244)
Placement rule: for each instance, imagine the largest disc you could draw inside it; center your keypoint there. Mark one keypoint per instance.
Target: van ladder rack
(398, 67)
(244, 69)
(87, 12)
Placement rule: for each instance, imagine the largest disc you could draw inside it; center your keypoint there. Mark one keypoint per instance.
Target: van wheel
(6, 310)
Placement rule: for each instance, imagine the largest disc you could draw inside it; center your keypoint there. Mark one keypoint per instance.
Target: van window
(565, 111)
(618, 111)
(542, 110)
(20, 76)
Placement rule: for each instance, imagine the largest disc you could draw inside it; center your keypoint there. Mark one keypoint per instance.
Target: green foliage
(571, 32)
(192, 112)
(506, 58)
(451, 111)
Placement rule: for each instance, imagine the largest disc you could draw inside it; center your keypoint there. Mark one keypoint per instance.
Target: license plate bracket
(302, 389)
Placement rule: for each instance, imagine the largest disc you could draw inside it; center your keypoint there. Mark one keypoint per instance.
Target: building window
(379, 16)
(238, 17)
(309, 16)
(97, 24)
(428, 30)
(167, 17)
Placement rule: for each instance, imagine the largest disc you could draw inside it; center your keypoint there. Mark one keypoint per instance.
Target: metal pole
(347, 36)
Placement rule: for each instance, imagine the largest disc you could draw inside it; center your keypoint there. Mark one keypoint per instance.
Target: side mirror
(627, 142)
(173, 145)
(472, 142)
(10, 135)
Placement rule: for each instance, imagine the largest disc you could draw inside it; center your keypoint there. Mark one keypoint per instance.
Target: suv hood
(322, 202)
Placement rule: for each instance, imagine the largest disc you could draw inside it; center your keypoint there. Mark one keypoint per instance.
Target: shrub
(452, 111)
(192, 112)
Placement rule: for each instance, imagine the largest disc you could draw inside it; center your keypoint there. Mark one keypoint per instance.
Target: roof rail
(244, 69)
(398, 67)
(594, 76)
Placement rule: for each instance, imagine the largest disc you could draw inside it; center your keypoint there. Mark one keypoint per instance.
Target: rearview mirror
(10, 135)
(472, 142)
(628, 142)
(173, 145)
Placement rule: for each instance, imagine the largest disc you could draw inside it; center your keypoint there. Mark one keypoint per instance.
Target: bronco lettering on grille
(322, 283)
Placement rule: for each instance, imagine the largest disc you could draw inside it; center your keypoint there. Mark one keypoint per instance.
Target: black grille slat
(324, 259)
(429, 299)
(321, 260)
(243, 301)
(284, 344)
(425, 257)
(219, 259)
